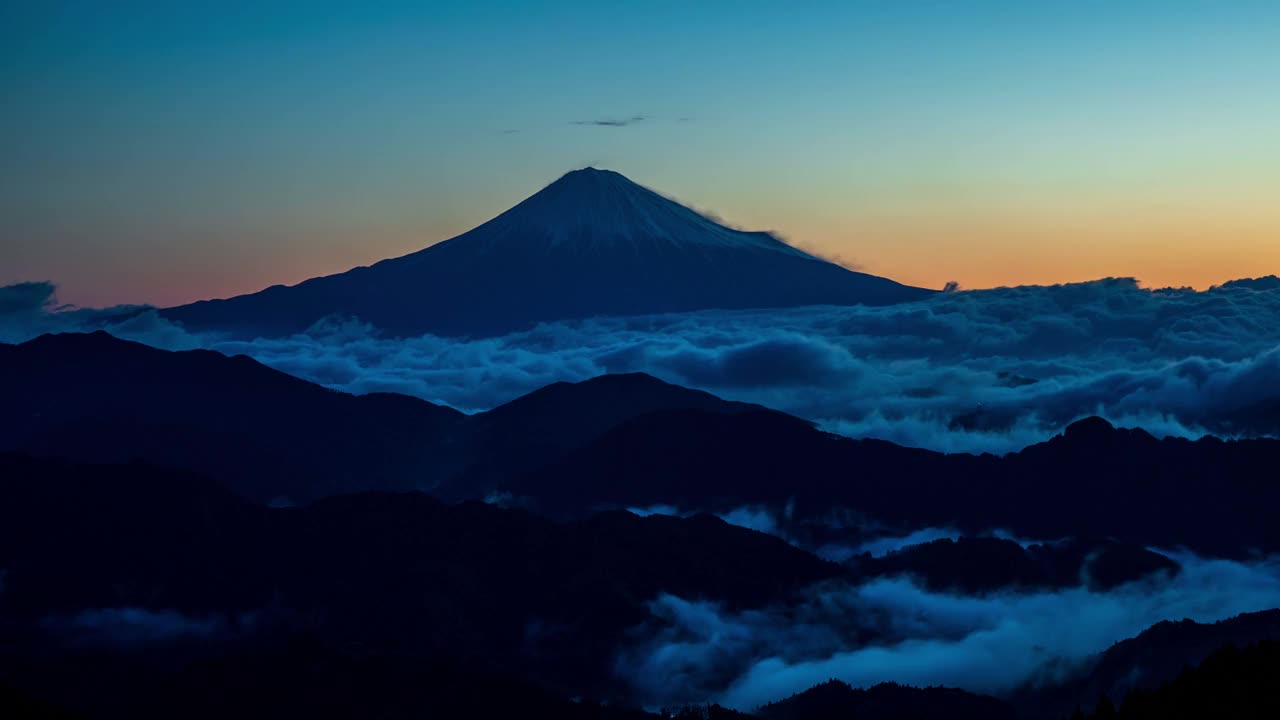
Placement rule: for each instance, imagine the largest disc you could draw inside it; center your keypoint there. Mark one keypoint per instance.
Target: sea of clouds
(986, 370)
(893, 630)
(983, 370)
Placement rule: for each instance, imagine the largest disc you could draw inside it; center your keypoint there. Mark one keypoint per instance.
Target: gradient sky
(163, 152)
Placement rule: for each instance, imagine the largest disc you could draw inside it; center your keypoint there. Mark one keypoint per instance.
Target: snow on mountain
(591, 243)
(598, 210)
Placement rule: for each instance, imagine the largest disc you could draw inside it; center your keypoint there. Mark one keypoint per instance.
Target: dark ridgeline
(1234, 683)
(148, 589)
(589, 244)
(836, 700)
(269, 436)
(618, 441)
(199, 571)
(532, 430)
(972, 565)
(1154, 657)
(263, 433)
(1093, 480)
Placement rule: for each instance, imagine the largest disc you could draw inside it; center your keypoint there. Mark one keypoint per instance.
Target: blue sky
(163, 152)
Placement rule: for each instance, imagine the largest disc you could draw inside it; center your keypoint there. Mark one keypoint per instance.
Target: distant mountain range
(1095, 480)
(591, 243)
(616, 442)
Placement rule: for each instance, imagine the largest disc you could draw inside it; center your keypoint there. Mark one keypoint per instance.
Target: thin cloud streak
(610, 122)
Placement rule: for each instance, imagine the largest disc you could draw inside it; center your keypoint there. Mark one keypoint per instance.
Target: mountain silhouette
(1094, 480)
(164, 589)
(619, 441)
(265, 434)
(988, 564)
(1153, 657)
(150, 556)
(544, 425)
(1233, 683)
(1157, 654)
(272, 437)
(591, 243)
(835, 700)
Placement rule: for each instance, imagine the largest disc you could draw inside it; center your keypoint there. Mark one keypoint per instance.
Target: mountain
(154, 559)
(836, 700)
(1234, 683)
(620, 441)
(162, 590)
(264, 434)
(1093, 480)
(1156, 656)
(989, 564)
(1160, 652)
(591, 243)
(544, 425)
(272, 437)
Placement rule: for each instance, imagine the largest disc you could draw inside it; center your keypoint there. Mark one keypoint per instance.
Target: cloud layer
(974, 370)
(986, 370)
(893, 630)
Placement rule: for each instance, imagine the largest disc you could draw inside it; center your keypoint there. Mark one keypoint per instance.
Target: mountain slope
(618, 442)
(836, 700)
(263, 433)
(990, 564)
(1160, 652)
(1155, 656)
(1094, 480)
(592, 243)
(1231, 684)
(270, 436)
(540, 427)
(144, 553)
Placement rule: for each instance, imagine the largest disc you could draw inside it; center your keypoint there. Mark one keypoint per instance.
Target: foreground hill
(834, 700)
(591, 243)
(138, 591)
(147, 557)
(1154, 657)
(166, 595)
(1234, 683)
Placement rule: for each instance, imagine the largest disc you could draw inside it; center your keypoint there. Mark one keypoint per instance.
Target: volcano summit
(591, 243)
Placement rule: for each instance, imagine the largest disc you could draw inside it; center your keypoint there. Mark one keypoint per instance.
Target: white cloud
(989, 370)
(893, 630)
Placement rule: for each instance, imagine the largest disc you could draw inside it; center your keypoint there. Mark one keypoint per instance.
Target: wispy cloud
(612, 122)
(892, 629)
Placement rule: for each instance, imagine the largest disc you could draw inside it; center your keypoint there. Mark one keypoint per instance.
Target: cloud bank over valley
(966, 371)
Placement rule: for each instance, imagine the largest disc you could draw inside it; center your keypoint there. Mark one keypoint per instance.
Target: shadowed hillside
(1233, 683)
(149, 557)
